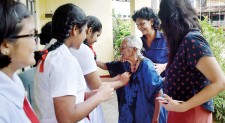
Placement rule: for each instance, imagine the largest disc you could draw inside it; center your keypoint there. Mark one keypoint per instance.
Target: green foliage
(121, 29)
(219, 104)
(216, 39)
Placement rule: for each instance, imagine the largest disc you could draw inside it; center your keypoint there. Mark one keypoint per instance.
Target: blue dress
(136, 100)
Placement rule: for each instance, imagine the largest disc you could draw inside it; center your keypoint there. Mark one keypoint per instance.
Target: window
(217, 17)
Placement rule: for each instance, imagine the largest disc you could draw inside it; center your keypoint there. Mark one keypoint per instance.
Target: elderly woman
(136, 100)
(17, 44)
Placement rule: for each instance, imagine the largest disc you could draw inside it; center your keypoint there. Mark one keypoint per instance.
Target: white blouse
(62, 76)
(12, 94)
(85, 57)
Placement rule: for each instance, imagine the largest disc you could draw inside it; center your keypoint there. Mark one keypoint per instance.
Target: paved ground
(110, 110)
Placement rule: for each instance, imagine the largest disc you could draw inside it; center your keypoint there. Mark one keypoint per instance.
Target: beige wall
(135, 5)
(99, 8)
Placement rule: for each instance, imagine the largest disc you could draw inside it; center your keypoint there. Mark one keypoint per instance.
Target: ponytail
(38, 55)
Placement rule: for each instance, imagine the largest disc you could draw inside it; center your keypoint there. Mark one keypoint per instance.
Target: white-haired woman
(136, 100)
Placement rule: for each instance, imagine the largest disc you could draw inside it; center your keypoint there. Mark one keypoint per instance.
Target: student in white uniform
(86, 58)
(17, 44)
(59, 83)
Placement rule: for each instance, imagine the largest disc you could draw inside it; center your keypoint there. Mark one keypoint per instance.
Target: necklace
(135, 66)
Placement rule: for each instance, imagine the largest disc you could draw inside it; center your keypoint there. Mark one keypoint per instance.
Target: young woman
(94, 30)
(86, 59)
(59, 82)
(17, 44)
(193, 75)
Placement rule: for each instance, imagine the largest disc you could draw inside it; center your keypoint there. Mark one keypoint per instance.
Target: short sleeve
(151, 78)
(85, 58)
(62, 76)
(195, 47)
(117, 67)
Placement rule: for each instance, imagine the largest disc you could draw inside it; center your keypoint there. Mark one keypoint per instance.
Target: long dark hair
(64, 19)
(46, 36)
(94, 23)
(147, 14)
(177, 17)
(11, 14)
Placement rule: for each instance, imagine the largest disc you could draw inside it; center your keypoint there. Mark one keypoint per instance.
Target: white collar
(12, 89)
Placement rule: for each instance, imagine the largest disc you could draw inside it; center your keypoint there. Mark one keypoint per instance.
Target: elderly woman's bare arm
(101, 65)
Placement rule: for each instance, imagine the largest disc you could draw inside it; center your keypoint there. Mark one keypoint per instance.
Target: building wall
(121, 9)
(104, 46)
(136, 5)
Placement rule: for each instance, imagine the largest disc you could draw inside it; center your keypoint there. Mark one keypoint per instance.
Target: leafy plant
(216, 39)
(121, 29)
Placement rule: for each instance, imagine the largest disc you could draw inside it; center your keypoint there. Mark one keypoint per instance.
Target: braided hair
(11, 15)
(63, 21)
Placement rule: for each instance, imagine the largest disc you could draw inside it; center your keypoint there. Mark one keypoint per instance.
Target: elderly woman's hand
(125, 77)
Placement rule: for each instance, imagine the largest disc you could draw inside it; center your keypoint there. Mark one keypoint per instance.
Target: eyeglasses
(28, 35)
(123, 47)
(35, 35)
(141, 24)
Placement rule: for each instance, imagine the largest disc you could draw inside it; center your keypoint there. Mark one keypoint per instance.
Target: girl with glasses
(17, 46)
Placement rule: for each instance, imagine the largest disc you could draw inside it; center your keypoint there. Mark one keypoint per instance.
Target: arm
(90, 94)
(123, 80)
(155, 118)
(110, 79)
(101, 65)
(67, 111)
(93, 80)
(214, 74)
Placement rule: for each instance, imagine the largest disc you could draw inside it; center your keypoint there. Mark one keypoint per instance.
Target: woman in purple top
(193, 75)
(154, 43)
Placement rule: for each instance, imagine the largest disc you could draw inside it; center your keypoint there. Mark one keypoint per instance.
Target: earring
(6, 52)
